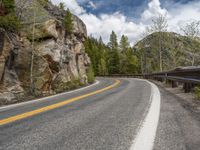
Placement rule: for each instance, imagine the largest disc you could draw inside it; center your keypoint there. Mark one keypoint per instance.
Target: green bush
(10, 22)
(8, 18)
(90, 75)
(62, 87)
(44, 3)
(9, 6)
(68, 22)
(197, 92)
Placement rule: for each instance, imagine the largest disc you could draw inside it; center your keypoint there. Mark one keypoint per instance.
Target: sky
(131, 17)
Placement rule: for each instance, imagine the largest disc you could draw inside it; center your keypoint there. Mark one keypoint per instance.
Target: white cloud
(103, 25)
(92, 5)
(72, 5)
(154, 9)
(182, 13)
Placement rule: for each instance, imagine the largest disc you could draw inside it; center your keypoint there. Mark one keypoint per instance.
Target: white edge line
(146, 134)
(46, 98)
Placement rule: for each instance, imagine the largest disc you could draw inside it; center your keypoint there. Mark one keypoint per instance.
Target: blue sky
(130, 8)
(131, 17)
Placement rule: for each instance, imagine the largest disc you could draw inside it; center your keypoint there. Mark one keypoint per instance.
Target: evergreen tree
(113, 44)
(61, 6)
(100, 40)
(102, 67)
(98, 53)
(9, 6)
(68, 23)
(109, 59)
(128, 61)
(132, 62)
(114, 60)
(124, 43)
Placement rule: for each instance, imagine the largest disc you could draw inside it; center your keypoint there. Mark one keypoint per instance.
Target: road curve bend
(111, 115)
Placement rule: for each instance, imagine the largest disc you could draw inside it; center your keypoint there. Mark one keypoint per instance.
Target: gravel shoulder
(179, 125)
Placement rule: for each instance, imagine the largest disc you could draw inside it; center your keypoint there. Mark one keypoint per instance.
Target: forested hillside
(114, 58)
(176, 51)
(158, 51)
(143, 57)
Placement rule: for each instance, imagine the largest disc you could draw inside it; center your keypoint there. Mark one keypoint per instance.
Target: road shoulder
(179, 128)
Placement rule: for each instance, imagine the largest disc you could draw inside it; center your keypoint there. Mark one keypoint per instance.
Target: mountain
(59, 60)
(176, 50)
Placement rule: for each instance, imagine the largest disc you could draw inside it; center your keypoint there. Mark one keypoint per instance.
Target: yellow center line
(53, 106)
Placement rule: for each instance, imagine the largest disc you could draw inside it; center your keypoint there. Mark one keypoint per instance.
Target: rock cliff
(59, 61)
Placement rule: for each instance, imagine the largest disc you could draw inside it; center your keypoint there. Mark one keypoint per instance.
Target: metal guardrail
(187, 76)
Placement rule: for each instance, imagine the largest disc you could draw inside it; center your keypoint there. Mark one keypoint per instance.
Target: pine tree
(61, 6)
(114, 60)
(9, 6)
(108, 59)
(68, 23)
(102, 67)
(113, 44)
(124, 43)
(132, 62)
(100, 40)
(128, 61)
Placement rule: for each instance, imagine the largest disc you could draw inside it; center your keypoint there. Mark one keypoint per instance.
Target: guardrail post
(174, 84)
(167, 81)
(187, 87)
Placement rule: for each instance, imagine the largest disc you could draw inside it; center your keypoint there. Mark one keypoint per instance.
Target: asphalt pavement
(108, 119)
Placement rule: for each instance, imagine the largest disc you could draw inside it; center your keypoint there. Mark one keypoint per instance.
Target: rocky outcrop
(57, 58)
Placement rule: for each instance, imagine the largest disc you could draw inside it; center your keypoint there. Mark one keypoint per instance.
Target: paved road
(110, 119)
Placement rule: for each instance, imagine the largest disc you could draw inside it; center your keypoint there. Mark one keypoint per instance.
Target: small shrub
(197, 92)
(44, 3)
(10, 22)
(8, 18)
(90, 75)
(62, 87)
(9, 6)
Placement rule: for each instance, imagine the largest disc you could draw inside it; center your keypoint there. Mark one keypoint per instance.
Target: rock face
(57, 58)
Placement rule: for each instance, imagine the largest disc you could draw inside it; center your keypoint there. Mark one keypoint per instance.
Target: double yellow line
(54, 106)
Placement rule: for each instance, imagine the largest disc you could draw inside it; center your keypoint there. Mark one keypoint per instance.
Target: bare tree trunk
(193, 59)
(32, 54)
(2, 36)
(160, 52)
(145, 61)
(160, 60)
(141, 65)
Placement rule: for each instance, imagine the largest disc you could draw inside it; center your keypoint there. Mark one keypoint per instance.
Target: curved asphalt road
(108, 120)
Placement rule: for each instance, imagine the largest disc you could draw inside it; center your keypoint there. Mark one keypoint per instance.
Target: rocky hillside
(176, 50)
(59, 60)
